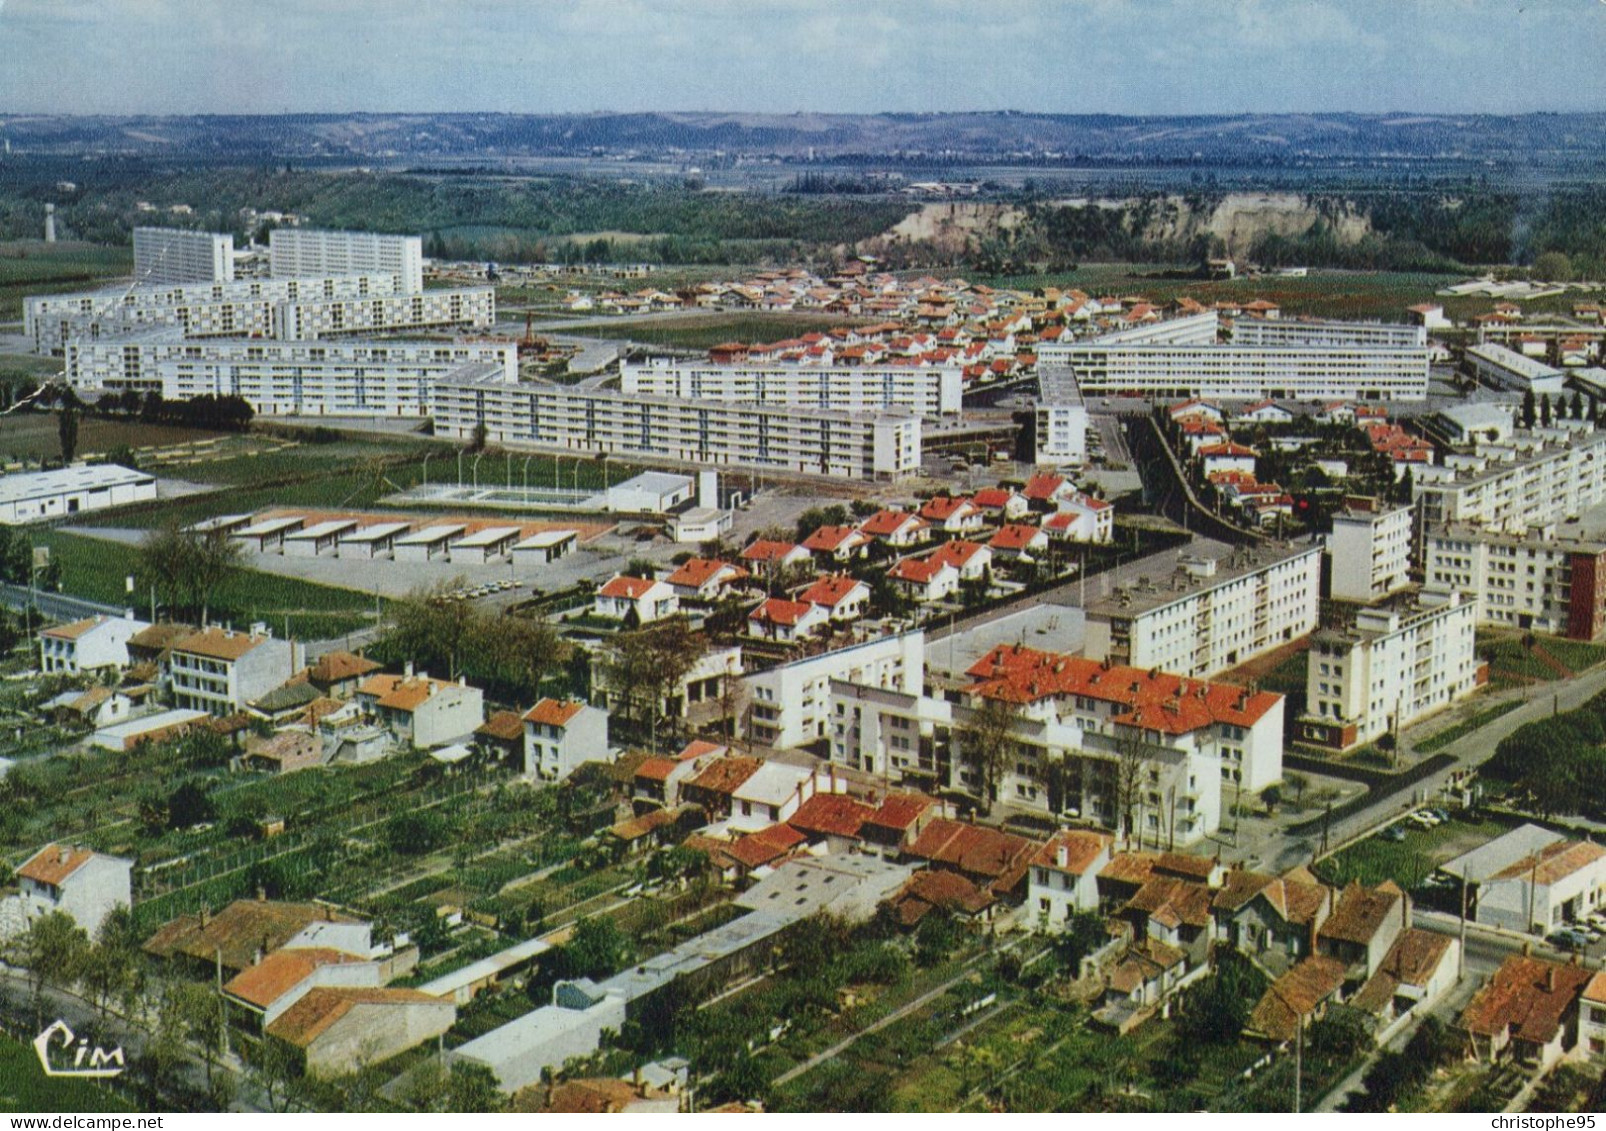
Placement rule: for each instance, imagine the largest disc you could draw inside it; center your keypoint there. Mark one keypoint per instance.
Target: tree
(1529, 408)
(53, 950)
(596, 949)
(648, 666)
(67, 426)
(1545, 411)
(1553, 267)
(1131, 774)
(986, 740)
(1216, 1012)
(413, 834)
(1576, 408)
(189, 805)
(430, 629)
(513, 653)
(186, 566)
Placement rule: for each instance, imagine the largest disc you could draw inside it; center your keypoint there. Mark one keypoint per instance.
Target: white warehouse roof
(25, 485)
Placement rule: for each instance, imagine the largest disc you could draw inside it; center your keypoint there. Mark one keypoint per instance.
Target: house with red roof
(1043, 492)
(644, 599)
(844, 598)
(1001, 503)
(769, 556)
(924, 580)
(1019, 541)
(1064, 876)
(1196, 409)
(1527, 1012)
(953, 516)
(705, 579)
(837, 543)
(780, 619)
(1197, 433)
(971, 559)
(896, 528)
(1227, 456)
(994, 860)
(76, 881)
(560, 735)
(1082, 518)
(1265, 412)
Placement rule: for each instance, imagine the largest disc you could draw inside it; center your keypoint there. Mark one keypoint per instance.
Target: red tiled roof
(633, 588)
(899, 811)
(976, 850)
(725, 775)
(766, 551)
(919, 570)
(829, 538)
(831, 814)
(656, 769)
(1294, 997)
(1212, 451)
(553, 712)
(1041, 487)
(54, 863)
(942, 508)
(884, 524)
(957, 553)
(1082, 848)
(830, 590)
(280, 972)
(778, 610)
(1014, 536)
(1528, 996)
(992, 498)
(1361, 912)
(700, 571)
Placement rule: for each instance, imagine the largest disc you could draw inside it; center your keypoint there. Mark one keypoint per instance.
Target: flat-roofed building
(930, 390)
(266, 536)
(813, 441)
(545, 546)
(177, 255)
(1505, 368)
(428, 543)
(1326, 332)
(31, 496)
(320, 538)
(1060, 418)
(489, 544)
(1537, 476)
(1543, 580)
(1370, 549)
(375, 540)
(1390, 668)
(294, 252)
(1220, 609)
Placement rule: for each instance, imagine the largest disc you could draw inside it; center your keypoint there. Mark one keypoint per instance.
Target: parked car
(1567, 940)
(1394, 833)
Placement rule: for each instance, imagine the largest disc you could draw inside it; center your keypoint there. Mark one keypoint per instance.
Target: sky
(786, 56)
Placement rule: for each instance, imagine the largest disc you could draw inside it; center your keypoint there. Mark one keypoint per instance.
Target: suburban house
(219, 670)
(646, 600)
(787, 621)
(337, 674)
(953, 516)
(1528, 1012)
(1064, 876)
(1044, 492)
(971, 559)
(87, 645)
(715, 785)
(704, 579)
(1265, 412)
(264, 990)
(897, 528)
(1419, 967)
(422, 712)
(952, 893)
(1298, 999)
(1592, 1016)
(335, 1030)
(837, 543)
(1001, 502)
(844, 598)
(1139, 980)
(243, 932)
(284, 751)
(1082, 519)
(561, 734)
(771, 794)
(1227, 456)
(1363, 926)
(75, 880)
(95, 707)
(1263, 915)
(924, 579)
(992, 859)
(767, 557)
(1017, 540)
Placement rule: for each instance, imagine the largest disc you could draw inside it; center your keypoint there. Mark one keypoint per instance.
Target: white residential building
(1219, 610)
(1327, 333)
(1542, 580)
(77, 881)
(299, 252)
(219, 670)
(645, 598)
(790, 704)
(560, 735)
(570, 418)
(1505, 368)
(1060, 419)
(164, 256)
(1538, 476)
(87, 645)
(1391, 668)
(928, 390)
(29, 496)
(1064, 877)
(301, 378)
(772, 793)
(1370, 549)
(1532, 879)
(420, 711)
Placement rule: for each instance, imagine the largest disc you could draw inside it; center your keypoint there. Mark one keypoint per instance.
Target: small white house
(704, 579)
(925, 579)
(75, 880)
(844, 598)
(1227, 457)
(421, 711)
(649, 600)
(773, 793)
(87, 645)
(786, 621)
(561, 734)
(1063, 878)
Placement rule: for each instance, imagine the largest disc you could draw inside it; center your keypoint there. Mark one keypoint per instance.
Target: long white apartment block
(294, 252)
(1059, 418)
(245, 307)
(468, 308)
(1389, 669)
(1531, 478)
(930, 390)
(881, 446)
(337, 377)
(1370, 549)
(1505, 368)
(1543, 580)
(1327, 333)
(791, 704)
(1219, 609)
(1189, 330)
(1293, 371)
(165, 256)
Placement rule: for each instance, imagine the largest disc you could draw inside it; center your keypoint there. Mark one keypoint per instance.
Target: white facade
(559, 736)
(790, 705)
(1064, 877)
(1060, 418)
(1276, 371)
(77, 882)
(927, 390)
(29, 496)
(1505, 368)
(220, 671)
(1333, 334)
(296, 252)
(1540, 580)
(1392, 668)
(570, 418)
(302, 378)
(163, 256)
(87, 645)
(421, 711)
(1213, 615)
(1370, 549)
(1539, 476)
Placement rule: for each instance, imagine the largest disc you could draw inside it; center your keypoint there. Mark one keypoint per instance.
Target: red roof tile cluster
(1014, 537)
(1527, 996)
(829, 539)
(553, 712)
(630, 588)
(831, 814)
(699, 572)
(831, 590)
(1294, 998)
(942, 507)
(1153, 700)
(53, 863)
(884, 524)
(957, 553)
(778, 610)
(1041, 488)
(976, 850)
(1082, 849)
(933, 889)
(767, 551)
(921, 571)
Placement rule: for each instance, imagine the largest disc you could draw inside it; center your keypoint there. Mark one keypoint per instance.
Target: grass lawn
(700, 333)
(1512, 662)
(29, 267)
(25, 1088)
(30, 435)
(98, 570)
(1410, 861)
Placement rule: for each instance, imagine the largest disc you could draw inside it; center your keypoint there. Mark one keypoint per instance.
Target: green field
(25, 1088)
(1410, 861)
(32, 267)
(99, 570)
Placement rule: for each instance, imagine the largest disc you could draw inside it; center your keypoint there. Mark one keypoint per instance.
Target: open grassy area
(99, 570)
(25, 1088)
(700, 333)
(1409, 861)
(30, 435)
(30, 267)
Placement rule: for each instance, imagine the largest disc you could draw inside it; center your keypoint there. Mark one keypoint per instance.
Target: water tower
(50, 223)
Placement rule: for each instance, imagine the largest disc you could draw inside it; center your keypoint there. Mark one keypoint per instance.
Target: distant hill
(1545, 139)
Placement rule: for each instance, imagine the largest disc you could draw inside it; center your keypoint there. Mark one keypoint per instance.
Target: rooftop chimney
(407, 670)
(1062, 855)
